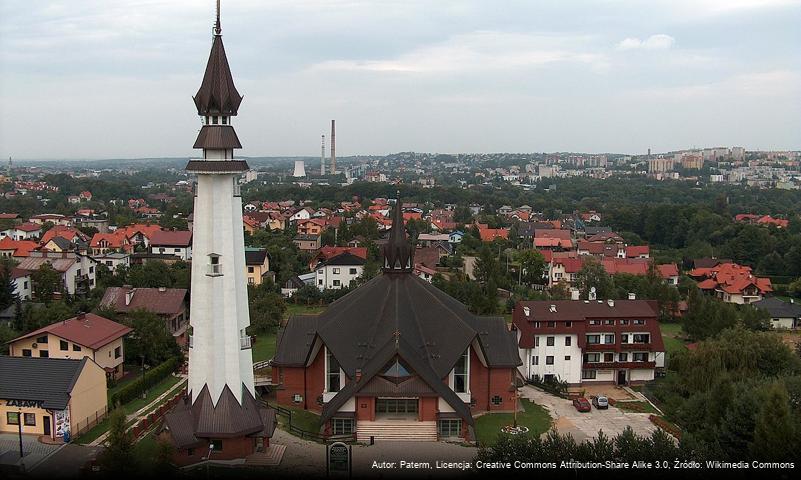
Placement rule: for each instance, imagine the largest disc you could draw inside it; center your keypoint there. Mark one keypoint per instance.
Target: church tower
(220, 354)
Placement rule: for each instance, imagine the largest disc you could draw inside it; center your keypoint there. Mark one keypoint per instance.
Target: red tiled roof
(168, 301)
(637, 250)
(21, 248)
(668, 270)
(28, 227)
(171, 238)
(90, 330)
(551, 233)
(115, 239)
(145, 229)
(68, 233)
(490, 234)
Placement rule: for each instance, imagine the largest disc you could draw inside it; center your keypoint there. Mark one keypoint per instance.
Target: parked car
(582, 404)
(600, 402)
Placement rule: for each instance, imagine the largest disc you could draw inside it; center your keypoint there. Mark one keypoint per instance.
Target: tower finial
(217, 27)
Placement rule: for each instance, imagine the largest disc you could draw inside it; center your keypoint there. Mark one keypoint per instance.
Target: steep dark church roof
(217, 94)
(397, 315)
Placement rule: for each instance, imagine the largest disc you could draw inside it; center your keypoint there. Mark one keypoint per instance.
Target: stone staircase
(397, 430)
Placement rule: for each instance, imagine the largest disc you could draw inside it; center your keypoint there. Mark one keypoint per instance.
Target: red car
(582, 404)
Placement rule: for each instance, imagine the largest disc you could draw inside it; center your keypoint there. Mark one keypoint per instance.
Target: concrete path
(142, 412)
(586, 425)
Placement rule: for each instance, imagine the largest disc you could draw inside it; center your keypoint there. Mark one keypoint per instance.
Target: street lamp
(144, 388)
(19, 428)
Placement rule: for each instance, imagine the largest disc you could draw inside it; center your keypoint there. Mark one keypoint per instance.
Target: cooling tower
(300, 169)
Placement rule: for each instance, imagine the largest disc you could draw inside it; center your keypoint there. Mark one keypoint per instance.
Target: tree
(776, 435)
(150, 338)
(46, 283)
(593, 274)
(532, 264)
(266, 307)
(8, 294)
(486, 266)
(118, 454)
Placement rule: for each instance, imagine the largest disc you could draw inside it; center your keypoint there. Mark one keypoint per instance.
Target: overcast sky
(109, 79)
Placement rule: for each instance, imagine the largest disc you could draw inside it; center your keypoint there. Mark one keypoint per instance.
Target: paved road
(585, 425)
(307, 459)
(67, 462)
(33, 450)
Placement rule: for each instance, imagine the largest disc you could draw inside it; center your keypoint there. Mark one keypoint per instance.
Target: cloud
(481, 51)
(659, 41)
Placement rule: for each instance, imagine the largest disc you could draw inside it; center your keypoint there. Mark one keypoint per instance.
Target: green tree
(150, 338)
(46, 283)
(776, 435)
(532, 264)
(266, 307)
(8, 295)
(118, 457)
(593, 274)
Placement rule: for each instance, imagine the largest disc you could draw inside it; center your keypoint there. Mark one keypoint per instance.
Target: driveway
(67, 462)
(33, 450)
(586, 425)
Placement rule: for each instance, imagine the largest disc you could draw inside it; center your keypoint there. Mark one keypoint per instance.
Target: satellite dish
(592, 289)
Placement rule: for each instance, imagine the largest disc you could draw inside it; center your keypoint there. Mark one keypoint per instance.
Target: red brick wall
(232, 448)
(485, 383)
(365, 409)
(428, 408)
(308, 382)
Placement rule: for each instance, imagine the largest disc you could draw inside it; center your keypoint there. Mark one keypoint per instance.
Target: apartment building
(583, 341)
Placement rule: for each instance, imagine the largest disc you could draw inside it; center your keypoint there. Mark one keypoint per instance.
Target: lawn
(264, 347)
(302, 419)
(637, 407)
(129, 408)
(536, 418)
(671, 329)
(672, 336)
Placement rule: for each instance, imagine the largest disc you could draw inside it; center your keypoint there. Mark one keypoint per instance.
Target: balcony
(599, 347)
(613, 365)
(636, 346)
(214, 270)
(245, 343)
(191, 341)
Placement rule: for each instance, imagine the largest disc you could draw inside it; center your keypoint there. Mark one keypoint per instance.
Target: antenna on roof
(217, 27)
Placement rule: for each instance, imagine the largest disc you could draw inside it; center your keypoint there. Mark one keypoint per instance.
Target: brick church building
(397, 358)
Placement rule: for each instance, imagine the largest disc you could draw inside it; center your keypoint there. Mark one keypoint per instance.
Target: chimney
(575, 294)
(129, 296)
(333, 148)
(610, 302)
(632, 296)
(358, 374)
(526, 311)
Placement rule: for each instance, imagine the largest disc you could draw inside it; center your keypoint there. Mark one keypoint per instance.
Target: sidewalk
(142, 412)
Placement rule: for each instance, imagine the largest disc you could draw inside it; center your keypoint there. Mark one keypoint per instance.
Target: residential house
(16, 248)
(307, 243)
(23, 231)
(732, 283)
(585, 342)
(783, 315)
(339, 271)
(77, 271)
(114, 260)
(172, 242)
(168, 303)
(326, 253)
(23, 285)
(87, 335)
(257, 265)
(54, 218)
(116, 241)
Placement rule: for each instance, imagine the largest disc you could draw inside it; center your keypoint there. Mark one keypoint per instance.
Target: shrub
(151, 378)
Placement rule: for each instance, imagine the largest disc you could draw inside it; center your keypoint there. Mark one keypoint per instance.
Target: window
(535, 360)
(26, 352)
(342, 426)
(118, 352)
(588, 374)
(592, 357)
(337, 283)
(214, 266)
(624, 322)
(297, 398)
(336, 271)
(190, 451)
(251, 270)
(353, 271)
(593, 339)
(12, 418)
(549, 360)
(42, 339)
(624, 338)
(593, 322)
(177, 250)
(460, 372)
(549, 341)
(44, 354)
(536, 341)
(319, 282)
(568, 341)
(568, 324)
(63, 345)
(536, 324)
(332, 372)
(29, 419)
(609, 357)
(639, 357)
(642, 338)
(567, 358)
(216, 444)
(609, 322)
(639, 322)
(497, 400)
(609, 338)
(550, 324)
(449, 427)
(623, 357)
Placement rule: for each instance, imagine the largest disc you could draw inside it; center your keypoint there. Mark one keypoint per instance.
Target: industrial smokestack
(300, 169)
(322, 157)
(333, 148)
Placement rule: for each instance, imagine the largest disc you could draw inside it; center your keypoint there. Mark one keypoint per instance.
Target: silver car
(600, 402)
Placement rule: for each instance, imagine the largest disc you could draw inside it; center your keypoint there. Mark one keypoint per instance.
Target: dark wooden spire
(217, 94)
(398, 254)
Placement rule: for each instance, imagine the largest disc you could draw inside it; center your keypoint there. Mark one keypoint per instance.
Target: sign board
(339, 459)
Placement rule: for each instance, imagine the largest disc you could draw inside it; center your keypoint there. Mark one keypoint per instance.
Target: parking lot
(586, 425)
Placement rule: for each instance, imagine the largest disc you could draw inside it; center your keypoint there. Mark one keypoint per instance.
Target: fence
(143, 425)
(305, 434)
(87, 423)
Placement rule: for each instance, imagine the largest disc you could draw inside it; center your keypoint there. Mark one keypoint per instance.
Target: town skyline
(614, 78)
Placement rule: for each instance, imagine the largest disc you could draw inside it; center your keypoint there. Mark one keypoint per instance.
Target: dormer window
(214, 119)
(225, 120)
(214, 266)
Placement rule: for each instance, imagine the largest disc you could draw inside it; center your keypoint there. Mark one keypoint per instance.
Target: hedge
(136, 387)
